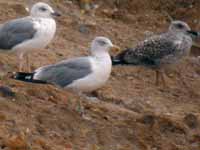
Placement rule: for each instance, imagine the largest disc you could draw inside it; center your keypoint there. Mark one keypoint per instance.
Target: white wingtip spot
(27, 9)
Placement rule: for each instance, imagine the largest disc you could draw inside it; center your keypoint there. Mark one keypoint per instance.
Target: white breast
(46, 28)
(101, 69)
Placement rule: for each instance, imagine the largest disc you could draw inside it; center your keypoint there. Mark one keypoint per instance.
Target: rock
(148, 120)
(2, 117)
(191, 121)
(84, 29)
(6, 91)
(17, 142)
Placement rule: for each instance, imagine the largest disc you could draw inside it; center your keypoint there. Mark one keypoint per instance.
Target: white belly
(46, 30)
(95, 80)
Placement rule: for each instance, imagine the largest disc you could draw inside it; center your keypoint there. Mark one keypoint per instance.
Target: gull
(82, 74)
(160, 50)
(29, 33)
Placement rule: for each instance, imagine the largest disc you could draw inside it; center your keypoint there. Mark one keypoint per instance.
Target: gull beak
(115, 49)
(193, 33)
(195, 38)
(56, 14)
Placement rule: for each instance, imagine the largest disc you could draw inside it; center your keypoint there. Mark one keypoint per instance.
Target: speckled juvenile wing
(151, 51)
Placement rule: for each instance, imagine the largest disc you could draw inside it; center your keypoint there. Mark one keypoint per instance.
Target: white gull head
(100, 45)
(43, 10)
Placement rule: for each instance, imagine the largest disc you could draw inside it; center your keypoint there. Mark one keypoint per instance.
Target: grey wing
(15, 32)
(64, 73)
(151, 50)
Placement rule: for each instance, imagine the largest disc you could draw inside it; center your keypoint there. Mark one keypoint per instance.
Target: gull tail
(27, 77)
(126, 57)
(119, 59)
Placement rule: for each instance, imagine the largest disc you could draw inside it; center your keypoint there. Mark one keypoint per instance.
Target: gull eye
(102, 43)
(43, 9)
(180, 26)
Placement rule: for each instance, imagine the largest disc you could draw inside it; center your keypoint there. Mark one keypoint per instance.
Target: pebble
(6, 91)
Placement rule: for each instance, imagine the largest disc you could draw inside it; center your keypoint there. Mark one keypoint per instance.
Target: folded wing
(15, 32)
(64, 73)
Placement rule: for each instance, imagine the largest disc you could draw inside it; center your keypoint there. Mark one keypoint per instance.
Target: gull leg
(160, 77)
(20, 61)
(138, 74)
(80, 108)
(157, 77)
(28, 63)
(163, 79)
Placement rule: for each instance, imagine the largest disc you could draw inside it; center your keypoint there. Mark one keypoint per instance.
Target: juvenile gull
(160, 50)
(83, 74)
(29, 33)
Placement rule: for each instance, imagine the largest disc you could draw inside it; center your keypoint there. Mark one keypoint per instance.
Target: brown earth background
(131, 113)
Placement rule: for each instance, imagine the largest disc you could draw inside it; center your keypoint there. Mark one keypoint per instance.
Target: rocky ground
(130, 112)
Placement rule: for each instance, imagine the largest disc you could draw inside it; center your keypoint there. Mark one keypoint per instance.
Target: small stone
(2, 117)
(147, 120)
(191, 121)
(17, 142)
(6, 91)
(84, 29)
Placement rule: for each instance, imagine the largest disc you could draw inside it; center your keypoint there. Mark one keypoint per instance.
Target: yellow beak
(115, 49)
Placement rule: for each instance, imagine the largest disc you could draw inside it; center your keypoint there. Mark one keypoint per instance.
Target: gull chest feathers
(46, 28)
(101, 69)
(183, 44)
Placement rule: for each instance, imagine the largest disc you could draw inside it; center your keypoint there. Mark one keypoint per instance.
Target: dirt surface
(129, 112)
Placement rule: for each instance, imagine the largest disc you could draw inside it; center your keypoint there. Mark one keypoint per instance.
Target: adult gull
(84, 74)
(29, 33)
(160, 50)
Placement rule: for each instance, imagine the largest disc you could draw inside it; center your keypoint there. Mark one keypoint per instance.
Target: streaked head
(41, 9)
(181, 27)
(101, 44)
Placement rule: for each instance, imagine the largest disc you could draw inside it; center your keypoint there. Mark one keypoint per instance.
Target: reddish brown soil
(131, 113)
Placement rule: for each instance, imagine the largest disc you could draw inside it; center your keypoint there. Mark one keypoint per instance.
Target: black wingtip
(116, 61)
(126, 57)
(26, 77)
(119, 59)
(22, 76)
